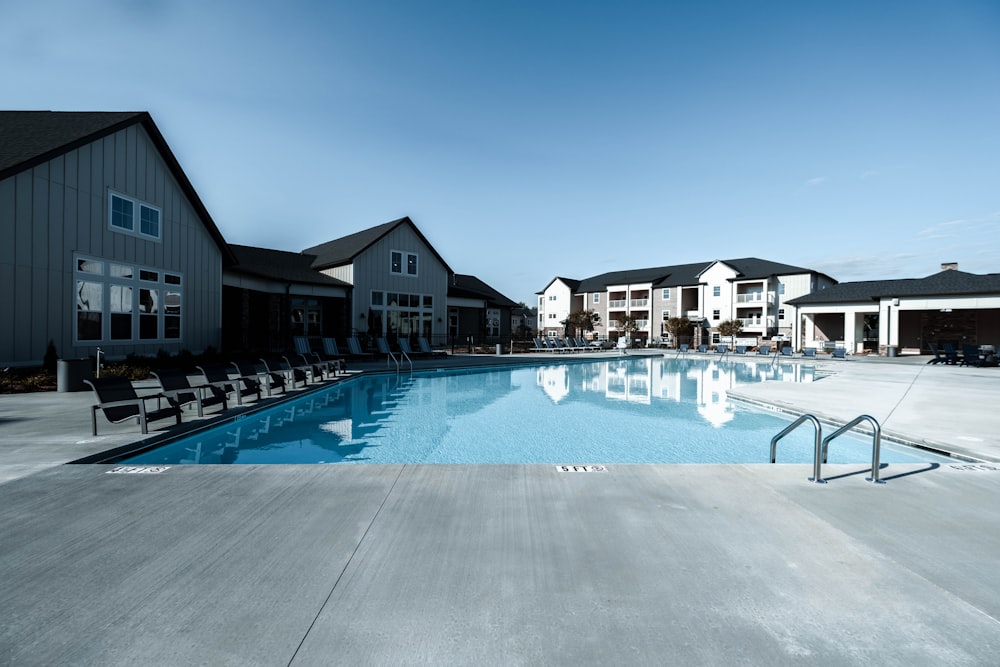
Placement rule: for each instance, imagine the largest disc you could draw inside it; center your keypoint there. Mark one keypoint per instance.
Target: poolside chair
(740, 349)
(939, 357)
(426, 348)
(540, 346)
(276, 365)
(217, 376)
(683, 348)
(786, 351)
(323, 364)
(764, 350)
(404, 347)
(970, 355)
(703, 348)
(255, 372)
(355, 347)
(839, 353)
(117, 399)
(721, 349)
(809, 352)
(950, 353)
(174, 382)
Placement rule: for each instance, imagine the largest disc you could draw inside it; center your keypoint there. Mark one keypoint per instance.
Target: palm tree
(627, 324)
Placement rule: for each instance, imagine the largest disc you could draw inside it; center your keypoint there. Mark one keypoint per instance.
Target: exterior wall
(371, 271)
(554, 307)
(718, 275)
(50, 213)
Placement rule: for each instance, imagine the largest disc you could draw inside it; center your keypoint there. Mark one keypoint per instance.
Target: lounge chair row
(560, 345)
(119, 402)
(971, 355)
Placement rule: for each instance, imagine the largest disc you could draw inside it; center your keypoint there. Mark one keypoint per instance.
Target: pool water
(628, 410)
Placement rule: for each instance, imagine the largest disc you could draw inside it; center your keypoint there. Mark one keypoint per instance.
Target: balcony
(751, 322)
(616, 303)
(754, 298)
(639, 303)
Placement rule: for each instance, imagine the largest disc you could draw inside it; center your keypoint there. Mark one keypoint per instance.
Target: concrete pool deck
(520, 564)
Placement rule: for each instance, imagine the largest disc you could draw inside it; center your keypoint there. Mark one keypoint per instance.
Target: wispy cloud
(867, 267)
(942, 230)
(870, 173)
(816, 181)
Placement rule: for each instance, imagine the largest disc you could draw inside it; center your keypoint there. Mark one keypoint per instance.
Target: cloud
(868, 267)
(942, 230)
(816, 181)
(868, 174)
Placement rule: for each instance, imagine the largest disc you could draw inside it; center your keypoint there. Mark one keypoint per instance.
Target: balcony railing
(617, 303)
(750, 297)
(639, 303)
(751, 322)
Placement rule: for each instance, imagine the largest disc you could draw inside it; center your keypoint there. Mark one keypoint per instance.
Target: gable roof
(346, 249)
(31, 138)
(747, 268)
(569, 282)
(463, 285)
(281, 266)
(943, 283)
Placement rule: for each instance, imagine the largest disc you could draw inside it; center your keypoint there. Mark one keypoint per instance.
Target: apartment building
(754, 291)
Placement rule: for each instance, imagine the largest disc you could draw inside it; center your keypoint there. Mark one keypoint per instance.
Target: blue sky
(535, 139)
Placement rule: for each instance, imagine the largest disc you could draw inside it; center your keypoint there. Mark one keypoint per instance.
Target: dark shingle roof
(472, 287)
(345, 249)
(569, 282)
(30, 138)
(687, 274)
(944, 283)
(281, 266)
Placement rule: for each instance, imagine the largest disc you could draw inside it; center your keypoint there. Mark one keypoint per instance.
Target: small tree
(731, 328)
(677, 327)
(627, 324)
(584, 320)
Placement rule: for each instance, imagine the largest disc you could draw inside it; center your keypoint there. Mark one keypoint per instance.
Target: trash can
(891, 350)
(70, 374)
(499, 349)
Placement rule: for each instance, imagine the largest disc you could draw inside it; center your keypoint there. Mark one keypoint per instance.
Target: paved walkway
(520, 564)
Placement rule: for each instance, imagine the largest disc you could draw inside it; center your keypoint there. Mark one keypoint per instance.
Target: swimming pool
(629, 410)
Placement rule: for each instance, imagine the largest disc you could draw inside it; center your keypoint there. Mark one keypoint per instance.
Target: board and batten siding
(60, 208)
(371, 272)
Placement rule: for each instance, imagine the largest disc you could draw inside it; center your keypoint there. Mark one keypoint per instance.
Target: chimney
(949, 266)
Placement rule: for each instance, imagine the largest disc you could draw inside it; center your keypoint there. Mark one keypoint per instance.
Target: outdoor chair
(683, 348)
(970, 355)
(174, 382)
(809, 352)
(741, 349)
(217, 376)
(786, 351)
(355, 347)
(939, 357)
(764, 350)
(950, 353)
(276, 365)
(703, 348)
(251, 370)
(117, 399)
(404, 347)
(426, 348)
(839, 353)
(721, 349)
(540, 346)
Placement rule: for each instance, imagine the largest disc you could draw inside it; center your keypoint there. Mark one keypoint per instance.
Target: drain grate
(582, 468)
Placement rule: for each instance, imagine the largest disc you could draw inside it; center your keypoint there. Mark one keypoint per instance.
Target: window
(121, 213)
(396, 259)
(716, 290)
(781, 313)
(781, 288)
(597, 298)
(123, 217)
(715, 314)
(666, 293)
(666, 315)
(126, 303)
(552, 297)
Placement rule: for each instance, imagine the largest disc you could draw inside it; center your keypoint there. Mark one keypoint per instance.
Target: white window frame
(716, 290)
(104, 274)
(666, 294)
(597, 297)
(716, 315)
(136, 217)
(405, 257)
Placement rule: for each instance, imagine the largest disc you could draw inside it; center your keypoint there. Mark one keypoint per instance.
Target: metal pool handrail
(791, 427)
(876, 445)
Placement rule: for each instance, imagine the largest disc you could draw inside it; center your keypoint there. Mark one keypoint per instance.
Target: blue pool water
(628, 410)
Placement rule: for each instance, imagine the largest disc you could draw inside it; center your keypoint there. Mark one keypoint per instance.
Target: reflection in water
(705, 383)
(629, 410)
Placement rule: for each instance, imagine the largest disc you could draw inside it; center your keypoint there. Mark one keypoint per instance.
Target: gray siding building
(104, 243)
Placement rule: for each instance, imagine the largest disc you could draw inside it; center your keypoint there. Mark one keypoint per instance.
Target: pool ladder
(822, 444)
(398, 362)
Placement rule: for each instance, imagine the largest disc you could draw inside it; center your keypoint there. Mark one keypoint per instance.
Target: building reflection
(703, 383)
